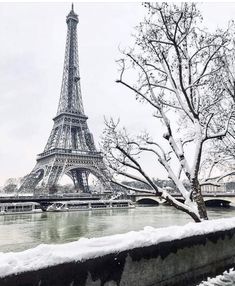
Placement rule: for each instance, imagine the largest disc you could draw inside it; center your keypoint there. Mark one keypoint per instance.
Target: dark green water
(23, 231)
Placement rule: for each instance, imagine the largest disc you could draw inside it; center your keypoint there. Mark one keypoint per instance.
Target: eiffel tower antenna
(70, 148)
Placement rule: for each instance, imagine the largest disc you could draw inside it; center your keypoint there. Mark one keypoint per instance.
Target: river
(23, 231)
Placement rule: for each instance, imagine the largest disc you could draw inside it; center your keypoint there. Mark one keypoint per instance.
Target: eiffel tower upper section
(70, 97)
(70, 130)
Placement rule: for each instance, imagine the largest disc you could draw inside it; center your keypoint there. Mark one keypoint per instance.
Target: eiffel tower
(70, 148)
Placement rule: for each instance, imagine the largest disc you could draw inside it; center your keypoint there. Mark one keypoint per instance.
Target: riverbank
(174, 255)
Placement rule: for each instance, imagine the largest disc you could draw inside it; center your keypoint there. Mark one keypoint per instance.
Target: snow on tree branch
(173, 66)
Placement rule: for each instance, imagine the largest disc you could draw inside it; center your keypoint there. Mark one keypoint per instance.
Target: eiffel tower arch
(70, 148)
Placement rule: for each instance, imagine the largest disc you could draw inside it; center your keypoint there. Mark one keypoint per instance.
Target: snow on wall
(227, 279)
(47, 255)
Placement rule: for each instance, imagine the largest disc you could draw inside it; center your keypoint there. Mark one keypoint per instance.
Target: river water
(23, 231)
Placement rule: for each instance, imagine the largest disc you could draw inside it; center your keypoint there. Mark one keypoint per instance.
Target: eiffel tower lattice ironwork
(70, 148)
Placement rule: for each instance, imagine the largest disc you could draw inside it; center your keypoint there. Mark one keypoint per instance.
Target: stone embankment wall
(179, 262)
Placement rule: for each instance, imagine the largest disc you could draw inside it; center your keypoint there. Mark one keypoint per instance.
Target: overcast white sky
(32, 42)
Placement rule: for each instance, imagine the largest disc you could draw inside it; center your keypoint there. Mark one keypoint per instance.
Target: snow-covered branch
(177, 67)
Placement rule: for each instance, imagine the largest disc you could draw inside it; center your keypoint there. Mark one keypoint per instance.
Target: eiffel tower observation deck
(70, 148)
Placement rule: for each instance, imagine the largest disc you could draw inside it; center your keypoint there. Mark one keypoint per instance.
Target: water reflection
(23, 231)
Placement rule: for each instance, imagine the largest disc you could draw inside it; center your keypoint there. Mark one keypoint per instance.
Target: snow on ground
(227, 279)
(46, 255)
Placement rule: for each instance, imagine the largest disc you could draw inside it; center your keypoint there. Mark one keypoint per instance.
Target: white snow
(47, 255)
(227, 279)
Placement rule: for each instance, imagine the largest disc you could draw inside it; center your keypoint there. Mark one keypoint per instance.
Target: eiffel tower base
(49, 170)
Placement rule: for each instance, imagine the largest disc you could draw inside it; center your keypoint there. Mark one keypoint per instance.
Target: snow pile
(227, 279)
(47, 255)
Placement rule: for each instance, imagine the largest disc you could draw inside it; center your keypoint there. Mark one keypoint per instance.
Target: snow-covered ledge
(177, 255)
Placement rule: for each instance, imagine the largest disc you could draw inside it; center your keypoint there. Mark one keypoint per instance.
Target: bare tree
(171, 67)
(222, 150)
(228, 59)
(10, 185)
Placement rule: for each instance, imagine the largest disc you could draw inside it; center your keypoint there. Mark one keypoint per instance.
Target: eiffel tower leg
(85, 175)
(103, 175)
(80, 180)
(52, 176)
(31, 180)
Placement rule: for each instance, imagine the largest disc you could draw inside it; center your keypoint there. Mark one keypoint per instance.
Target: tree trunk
(198, 198)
